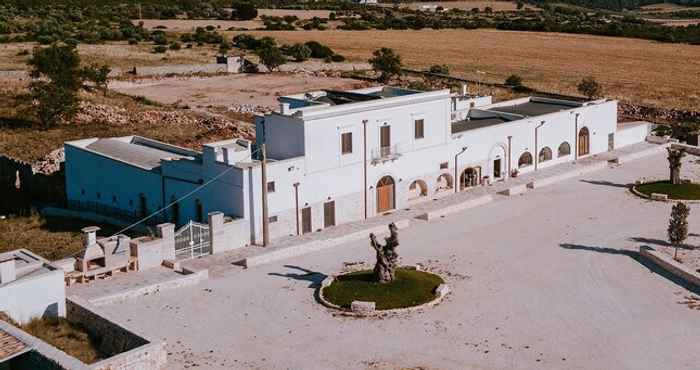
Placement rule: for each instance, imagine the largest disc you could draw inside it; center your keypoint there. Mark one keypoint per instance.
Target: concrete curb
(667, 263)
(659, 197)
(459, 207)
(189, 278)
(366, 309)
(317, 245)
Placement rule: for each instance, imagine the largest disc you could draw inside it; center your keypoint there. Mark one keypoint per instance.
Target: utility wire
(198, 188)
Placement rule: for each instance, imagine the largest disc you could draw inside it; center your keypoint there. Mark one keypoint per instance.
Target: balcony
(385, 153)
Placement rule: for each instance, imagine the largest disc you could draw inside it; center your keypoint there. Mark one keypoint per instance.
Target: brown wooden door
(385, 194)
(497, 168)
(583, 142)
(329, 214)
(306, 220)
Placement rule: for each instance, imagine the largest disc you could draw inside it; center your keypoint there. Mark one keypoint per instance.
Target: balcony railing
(385, 153)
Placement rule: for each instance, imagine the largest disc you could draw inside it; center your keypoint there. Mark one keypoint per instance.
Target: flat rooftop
(337, 97)
(535, 108)
(475, 123)
(138, 151)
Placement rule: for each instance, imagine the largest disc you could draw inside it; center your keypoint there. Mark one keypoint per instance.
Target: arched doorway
(545, 154)
(444, 183)
(417, 189)
(564, 149)
(385, 194)
(584, 142)
(469, 177)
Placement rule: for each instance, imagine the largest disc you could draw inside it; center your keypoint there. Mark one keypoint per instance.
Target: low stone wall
(459, 207)
(515, 190)
(128, 349)
(364, 309)
(669, 264)
(317, 245)
(643, 153)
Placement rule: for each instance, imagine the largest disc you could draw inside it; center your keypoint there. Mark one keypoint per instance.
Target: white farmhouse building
(339, 156)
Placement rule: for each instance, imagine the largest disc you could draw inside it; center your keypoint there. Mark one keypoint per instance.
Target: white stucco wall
(34, 296)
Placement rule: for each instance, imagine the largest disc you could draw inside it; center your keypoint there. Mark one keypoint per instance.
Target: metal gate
(192, 240)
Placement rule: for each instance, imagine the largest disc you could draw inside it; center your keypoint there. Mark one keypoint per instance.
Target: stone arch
(584, 141)
(497, 164)
(417, 190)
(470, 177)
(564, 149)
(386, 194)
(545, 154)
(525, 160)
(444, 182)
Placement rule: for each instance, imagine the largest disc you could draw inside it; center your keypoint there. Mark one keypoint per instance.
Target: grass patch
(410, 288)
(70, 338)
(685, 191)
(50, 237)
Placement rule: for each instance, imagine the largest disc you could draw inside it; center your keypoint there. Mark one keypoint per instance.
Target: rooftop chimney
(284, 108)
(465, 89)
(90, 235)
(7, 270)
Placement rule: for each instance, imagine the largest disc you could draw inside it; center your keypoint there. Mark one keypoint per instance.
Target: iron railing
(385, 153)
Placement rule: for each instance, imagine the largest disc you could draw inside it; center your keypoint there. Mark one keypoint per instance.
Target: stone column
(166, 232)
(217, 236)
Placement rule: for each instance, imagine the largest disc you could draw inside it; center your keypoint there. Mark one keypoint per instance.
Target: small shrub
(337, 58)
(175, 45)
(159, 49)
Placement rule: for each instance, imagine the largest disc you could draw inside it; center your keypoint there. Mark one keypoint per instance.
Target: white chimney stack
(7, 270)
(465, 89)
(284, 108)
(90, 235)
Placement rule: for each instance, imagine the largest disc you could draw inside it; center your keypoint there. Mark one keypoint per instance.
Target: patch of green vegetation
(71, 338)
(409, 288)
(684, 191)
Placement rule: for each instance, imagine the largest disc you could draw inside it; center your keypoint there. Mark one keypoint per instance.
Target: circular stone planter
(369, 308)
(658, 191)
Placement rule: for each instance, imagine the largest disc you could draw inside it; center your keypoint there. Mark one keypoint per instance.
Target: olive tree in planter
(387, 258)
(678, 226)
(674, 165)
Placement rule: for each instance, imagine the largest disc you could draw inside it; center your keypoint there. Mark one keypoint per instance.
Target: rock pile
(118, 116)
(654, 114)
(50, 163)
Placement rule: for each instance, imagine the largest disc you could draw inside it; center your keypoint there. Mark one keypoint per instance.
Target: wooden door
(583, 142)
(306, 220)
(329, 214)
(497, 168)
(385, 198)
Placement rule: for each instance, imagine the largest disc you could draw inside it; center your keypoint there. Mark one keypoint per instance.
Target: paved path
(546, 280)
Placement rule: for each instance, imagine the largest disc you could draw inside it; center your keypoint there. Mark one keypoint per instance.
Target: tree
(99, 76)
(387, 63)
(300, 52)
(243, 11)
(590, 87)
(440, 69)
(514, 81)
(387, 258)
(520, 5)
(271, 57)
(674, 165)
(224, 47)
(57, 78)
(678, 226)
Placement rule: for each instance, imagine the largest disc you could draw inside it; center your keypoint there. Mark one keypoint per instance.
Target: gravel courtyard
(546, 280)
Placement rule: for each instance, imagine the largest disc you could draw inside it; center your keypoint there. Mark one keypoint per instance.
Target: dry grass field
(468, 5)
(189, 25)
(636, 70)
(117, 54)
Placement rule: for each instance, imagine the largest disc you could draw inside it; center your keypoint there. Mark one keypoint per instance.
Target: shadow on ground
(637, 257)
(315, 278)
(605, 183)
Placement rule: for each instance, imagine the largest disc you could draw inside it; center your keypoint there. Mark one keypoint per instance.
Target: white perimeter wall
(36, 296)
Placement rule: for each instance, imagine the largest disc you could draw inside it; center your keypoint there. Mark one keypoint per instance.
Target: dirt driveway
(230, 90)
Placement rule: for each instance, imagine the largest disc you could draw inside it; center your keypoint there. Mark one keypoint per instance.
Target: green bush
(243, 11)
(159, 49)
(175, 45)
(319, 50)
(300, 52)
